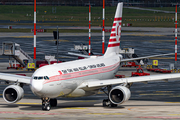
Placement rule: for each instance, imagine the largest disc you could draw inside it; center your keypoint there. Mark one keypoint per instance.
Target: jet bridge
(13, 49)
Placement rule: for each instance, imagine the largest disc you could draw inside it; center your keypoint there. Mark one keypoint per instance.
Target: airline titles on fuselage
(83, 68)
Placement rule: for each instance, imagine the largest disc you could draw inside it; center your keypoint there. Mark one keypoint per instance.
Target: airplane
(79, 78)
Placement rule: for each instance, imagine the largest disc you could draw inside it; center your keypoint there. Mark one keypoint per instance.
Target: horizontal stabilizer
(139, 58)
(79, 55)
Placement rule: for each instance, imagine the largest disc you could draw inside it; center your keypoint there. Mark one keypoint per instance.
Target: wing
(103, 83)
(139, 58)
(15, 78)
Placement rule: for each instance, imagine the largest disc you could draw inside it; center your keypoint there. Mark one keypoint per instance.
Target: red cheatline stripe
(112, 40)
(114, 45)
(117, 19)
(113, 29)
(113, 34)
(114, 24)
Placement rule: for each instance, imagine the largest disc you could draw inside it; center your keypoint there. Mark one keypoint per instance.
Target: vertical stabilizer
(114, 41)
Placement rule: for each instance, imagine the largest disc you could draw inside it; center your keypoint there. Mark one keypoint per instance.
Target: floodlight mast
(176, 38)
(89, 29)
(34, 30)
(103, 33)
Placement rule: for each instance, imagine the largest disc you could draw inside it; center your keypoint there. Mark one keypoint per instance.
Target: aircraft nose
(36, 85)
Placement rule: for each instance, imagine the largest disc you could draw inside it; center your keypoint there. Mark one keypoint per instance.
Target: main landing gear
(107, 102)
(47, 103)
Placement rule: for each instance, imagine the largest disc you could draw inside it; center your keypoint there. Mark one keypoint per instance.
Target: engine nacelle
(119, 94)
(13, 93)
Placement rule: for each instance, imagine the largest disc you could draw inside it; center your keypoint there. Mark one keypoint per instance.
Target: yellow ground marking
(75, 108)
(155, 94)
(165, 49)
(145, 35)
(106, 113)
(174, 114)
(86, 101)
(29, 103)
(164, 91)
(58, 40)
(172, 102)
(24, 37)
(24, 118)
(130, 108)
(161, 58)
(175, 96)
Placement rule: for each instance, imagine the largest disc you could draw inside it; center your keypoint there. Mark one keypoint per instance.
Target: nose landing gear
(47, 103)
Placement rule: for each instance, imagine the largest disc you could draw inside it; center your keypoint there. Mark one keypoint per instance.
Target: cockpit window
(35, 78)
(46, 77)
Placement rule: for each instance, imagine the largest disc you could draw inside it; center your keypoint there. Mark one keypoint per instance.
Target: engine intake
(13, 93)
(119, 94)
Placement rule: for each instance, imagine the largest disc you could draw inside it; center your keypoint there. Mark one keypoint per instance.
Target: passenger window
(39, 78)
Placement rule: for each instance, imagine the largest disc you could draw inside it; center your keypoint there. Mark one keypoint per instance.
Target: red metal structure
(130, 64)
(139, 72)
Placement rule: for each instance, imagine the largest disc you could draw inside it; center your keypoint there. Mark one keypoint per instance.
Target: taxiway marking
(30, 113)
(172, 102)
(162, 58)
(145, 35)
(24, 37)
(75, 108)
(159, 117)
(58, 40)
(29, 103)
(106, 113)
(155, 94)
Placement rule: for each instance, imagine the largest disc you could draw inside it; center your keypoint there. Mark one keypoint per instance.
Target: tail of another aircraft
(114, 41)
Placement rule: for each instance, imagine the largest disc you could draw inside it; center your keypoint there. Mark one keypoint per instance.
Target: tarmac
(155, 100)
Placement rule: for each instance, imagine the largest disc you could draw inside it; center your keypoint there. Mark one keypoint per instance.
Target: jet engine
(13, 93)
(119, 94)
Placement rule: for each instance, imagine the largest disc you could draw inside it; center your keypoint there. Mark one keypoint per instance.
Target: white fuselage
(63, 79)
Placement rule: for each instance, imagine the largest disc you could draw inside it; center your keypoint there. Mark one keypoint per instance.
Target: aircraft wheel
(46, 107)
(112, 105)
(46, 104)
(53, 102)
(105, 102)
